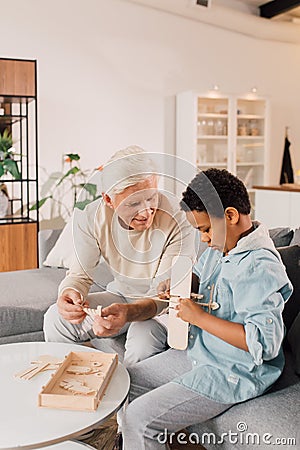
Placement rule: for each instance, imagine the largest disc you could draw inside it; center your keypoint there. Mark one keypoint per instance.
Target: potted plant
(62, 188)
(7, 153)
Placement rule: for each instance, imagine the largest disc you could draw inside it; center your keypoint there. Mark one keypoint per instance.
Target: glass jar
(253, 128)
(210, 127)
(219, 128)
(202, 127)
(242, 129)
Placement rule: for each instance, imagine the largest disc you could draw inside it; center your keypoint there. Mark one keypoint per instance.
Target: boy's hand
(112, 319)
(189, 311)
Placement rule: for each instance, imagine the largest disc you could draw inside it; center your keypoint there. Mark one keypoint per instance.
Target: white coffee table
(69, 445)
(24, 425)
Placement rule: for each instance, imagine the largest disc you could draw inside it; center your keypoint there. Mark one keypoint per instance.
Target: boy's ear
(232, 215)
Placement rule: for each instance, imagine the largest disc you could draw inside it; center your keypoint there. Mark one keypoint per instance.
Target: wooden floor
(104, 437)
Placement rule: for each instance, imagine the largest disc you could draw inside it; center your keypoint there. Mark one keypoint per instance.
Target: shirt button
(208, 287)
(194, 362)
(269, 320)
(191, 336)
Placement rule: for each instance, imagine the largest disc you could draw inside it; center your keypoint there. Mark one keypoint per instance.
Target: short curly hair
(214, 190)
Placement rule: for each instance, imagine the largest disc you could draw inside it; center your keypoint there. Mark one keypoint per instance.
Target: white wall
(108, 72)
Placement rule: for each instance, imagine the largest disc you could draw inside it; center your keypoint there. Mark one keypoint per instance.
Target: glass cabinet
(224, 131)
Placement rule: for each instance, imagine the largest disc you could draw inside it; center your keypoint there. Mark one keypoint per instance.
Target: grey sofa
(26, 295)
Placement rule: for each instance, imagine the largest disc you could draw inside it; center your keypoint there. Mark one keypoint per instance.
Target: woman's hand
(189, 311)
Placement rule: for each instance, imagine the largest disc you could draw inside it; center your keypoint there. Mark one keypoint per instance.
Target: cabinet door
(18, 246)
(250, 148)
(212, 132)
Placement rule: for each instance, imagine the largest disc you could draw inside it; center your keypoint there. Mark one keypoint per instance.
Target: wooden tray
(53, 395)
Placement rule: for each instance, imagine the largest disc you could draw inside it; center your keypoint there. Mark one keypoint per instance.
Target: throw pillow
(281, 236)
(291, 259)
(296, 237)
(293, 339)
(62, 254)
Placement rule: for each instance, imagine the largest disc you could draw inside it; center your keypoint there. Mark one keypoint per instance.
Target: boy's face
(213, 230)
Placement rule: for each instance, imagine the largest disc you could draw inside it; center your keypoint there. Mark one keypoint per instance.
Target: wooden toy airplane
(210, 305)
(181, 278)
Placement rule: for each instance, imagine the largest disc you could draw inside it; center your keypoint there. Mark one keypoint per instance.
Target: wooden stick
(34, 372)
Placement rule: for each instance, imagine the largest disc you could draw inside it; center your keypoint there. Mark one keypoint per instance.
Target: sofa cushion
(291, 259)
(281, 236)
(62, 254)
(296, 237)
(25, 296)
(47, 239)
(263, 419)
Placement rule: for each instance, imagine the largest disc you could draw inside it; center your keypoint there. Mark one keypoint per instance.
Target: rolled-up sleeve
(259, 297)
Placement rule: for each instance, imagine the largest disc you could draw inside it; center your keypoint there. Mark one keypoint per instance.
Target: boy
(234, 352)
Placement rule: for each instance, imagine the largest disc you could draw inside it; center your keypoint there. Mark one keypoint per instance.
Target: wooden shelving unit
(19, 228)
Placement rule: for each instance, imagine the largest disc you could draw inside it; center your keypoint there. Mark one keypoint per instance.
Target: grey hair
(125, 168)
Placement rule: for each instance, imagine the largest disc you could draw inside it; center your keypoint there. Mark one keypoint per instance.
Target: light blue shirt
(250, 285)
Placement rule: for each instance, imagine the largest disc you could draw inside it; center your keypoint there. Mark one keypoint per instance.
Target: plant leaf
(81, 205)
(72, 171)
(50, 182)
(1, 169)
(40, 203)
(73, 156)
(90, 188)
(12, 167)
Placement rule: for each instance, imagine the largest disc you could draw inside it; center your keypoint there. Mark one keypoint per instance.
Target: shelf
(15, 219)
(251, 138)
(213, 137)
(22, 180)
(246, 164)
(212, 164)
(213, 115)
(249, 117)
(16, 98)
(11, 119)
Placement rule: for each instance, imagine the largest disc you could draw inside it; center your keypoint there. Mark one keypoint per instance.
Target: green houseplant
(62, 189)
(7, 153)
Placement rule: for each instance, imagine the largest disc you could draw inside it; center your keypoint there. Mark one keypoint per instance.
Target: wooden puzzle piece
(76, 387)
(181, 278)
(44, 362)
(79, 370)
(29, 373)
(93, 312)
(53, 362)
